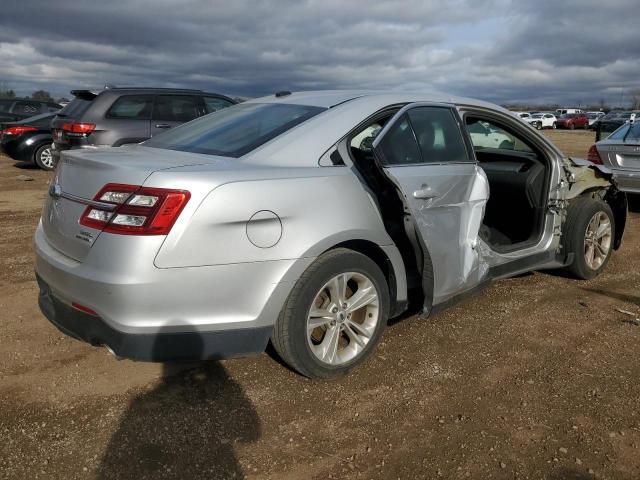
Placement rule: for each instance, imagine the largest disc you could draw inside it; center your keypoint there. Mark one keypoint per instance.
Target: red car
(573, 121)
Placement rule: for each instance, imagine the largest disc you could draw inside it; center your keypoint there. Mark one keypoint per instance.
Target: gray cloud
(570, 51)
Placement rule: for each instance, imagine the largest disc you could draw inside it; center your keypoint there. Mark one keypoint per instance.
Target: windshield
(234, 131)
(537, 115)
(628, 133)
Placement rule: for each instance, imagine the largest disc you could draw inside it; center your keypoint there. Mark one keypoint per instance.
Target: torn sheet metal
(584, 175)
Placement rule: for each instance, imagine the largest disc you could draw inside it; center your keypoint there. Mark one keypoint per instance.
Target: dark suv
(119, 116)
(13, 109)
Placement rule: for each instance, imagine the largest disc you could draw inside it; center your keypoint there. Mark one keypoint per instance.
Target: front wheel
(538, 126)
(334, 316)
(44, 157)
(588, 233)
(554, 126)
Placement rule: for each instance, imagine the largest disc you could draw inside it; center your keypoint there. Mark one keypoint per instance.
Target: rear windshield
(75, 108)
(234, 131)
(628, 132)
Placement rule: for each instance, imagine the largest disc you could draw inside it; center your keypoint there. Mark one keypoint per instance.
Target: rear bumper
(156, 347)
(226, 310)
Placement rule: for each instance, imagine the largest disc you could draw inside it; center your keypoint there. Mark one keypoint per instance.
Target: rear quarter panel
(316, 209)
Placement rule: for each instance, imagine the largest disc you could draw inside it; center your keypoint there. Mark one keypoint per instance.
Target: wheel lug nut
(344, 305)
(334, 309)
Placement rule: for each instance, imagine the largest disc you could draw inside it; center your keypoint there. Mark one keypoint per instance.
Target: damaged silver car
(308, 220)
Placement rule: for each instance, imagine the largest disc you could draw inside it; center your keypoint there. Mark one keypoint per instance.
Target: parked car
(573, 121)
(19, 108)
(620, 151)
(593, 117)
(119, 116)
(483, 136)
(611, 122)
(522, 115)
(543, 120)
(29, 140)
(564, 111)
(275, 219)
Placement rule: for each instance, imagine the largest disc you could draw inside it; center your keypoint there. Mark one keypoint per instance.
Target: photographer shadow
(185, 427)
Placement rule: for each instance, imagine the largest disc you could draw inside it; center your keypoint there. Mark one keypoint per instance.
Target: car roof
(124, 90)
(332, 98)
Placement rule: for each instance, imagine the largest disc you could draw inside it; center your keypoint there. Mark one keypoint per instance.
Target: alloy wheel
(343, 318)
(597, 241)
(46, 158)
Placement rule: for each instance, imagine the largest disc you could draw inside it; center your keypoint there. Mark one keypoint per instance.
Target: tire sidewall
(36, 157)
(346, 262)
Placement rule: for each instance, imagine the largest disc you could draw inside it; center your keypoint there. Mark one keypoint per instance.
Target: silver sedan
(620, 151)
(308, 220)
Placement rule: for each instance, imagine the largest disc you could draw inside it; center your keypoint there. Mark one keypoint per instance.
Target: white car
(523, 115)
(483, 136)
(543, 120)
(594, 117)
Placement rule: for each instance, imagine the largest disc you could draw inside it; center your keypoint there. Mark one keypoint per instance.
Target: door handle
(424, 193)
(163, 125)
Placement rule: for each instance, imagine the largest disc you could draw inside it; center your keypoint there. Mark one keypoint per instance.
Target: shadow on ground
(623, 297)
(186, 427)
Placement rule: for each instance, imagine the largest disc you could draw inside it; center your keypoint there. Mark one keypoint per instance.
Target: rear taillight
(594, 156)
(22, 129)
(135, 210)
(79, 129)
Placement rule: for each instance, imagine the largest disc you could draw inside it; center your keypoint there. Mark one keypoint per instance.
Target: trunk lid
(82, 173)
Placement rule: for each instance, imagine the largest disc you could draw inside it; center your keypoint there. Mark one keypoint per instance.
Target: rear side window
(26, 108)
(438, 135)
(234, 131)
(176, 108)
(399, 146)
(132, 107)
(213, 104)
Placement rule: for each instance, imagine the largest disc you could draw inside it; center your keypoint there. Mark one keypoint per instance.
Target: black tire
(539, 126)
(289, 337)
(39, 157)
(580, 212)
(554, 126)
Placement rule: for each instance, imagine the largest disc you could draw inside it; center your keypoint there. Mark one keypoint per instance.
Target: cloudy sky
(564, 51)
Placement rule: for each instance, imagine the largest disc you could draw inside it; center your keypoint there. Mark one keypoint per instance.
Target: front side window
(487, 134)
(234, 131)
(176, 108)
(213, 104)
(132, 107)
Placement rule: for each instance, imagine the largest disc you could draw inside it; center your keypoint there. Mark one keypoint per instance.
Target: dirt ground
(536, 377)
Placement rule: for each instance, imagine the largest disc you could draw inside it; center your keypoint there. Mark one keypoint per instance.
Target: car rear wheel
(334, 316)
(44, 157)
(539, 126)
(589, 232)
(554, 126)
